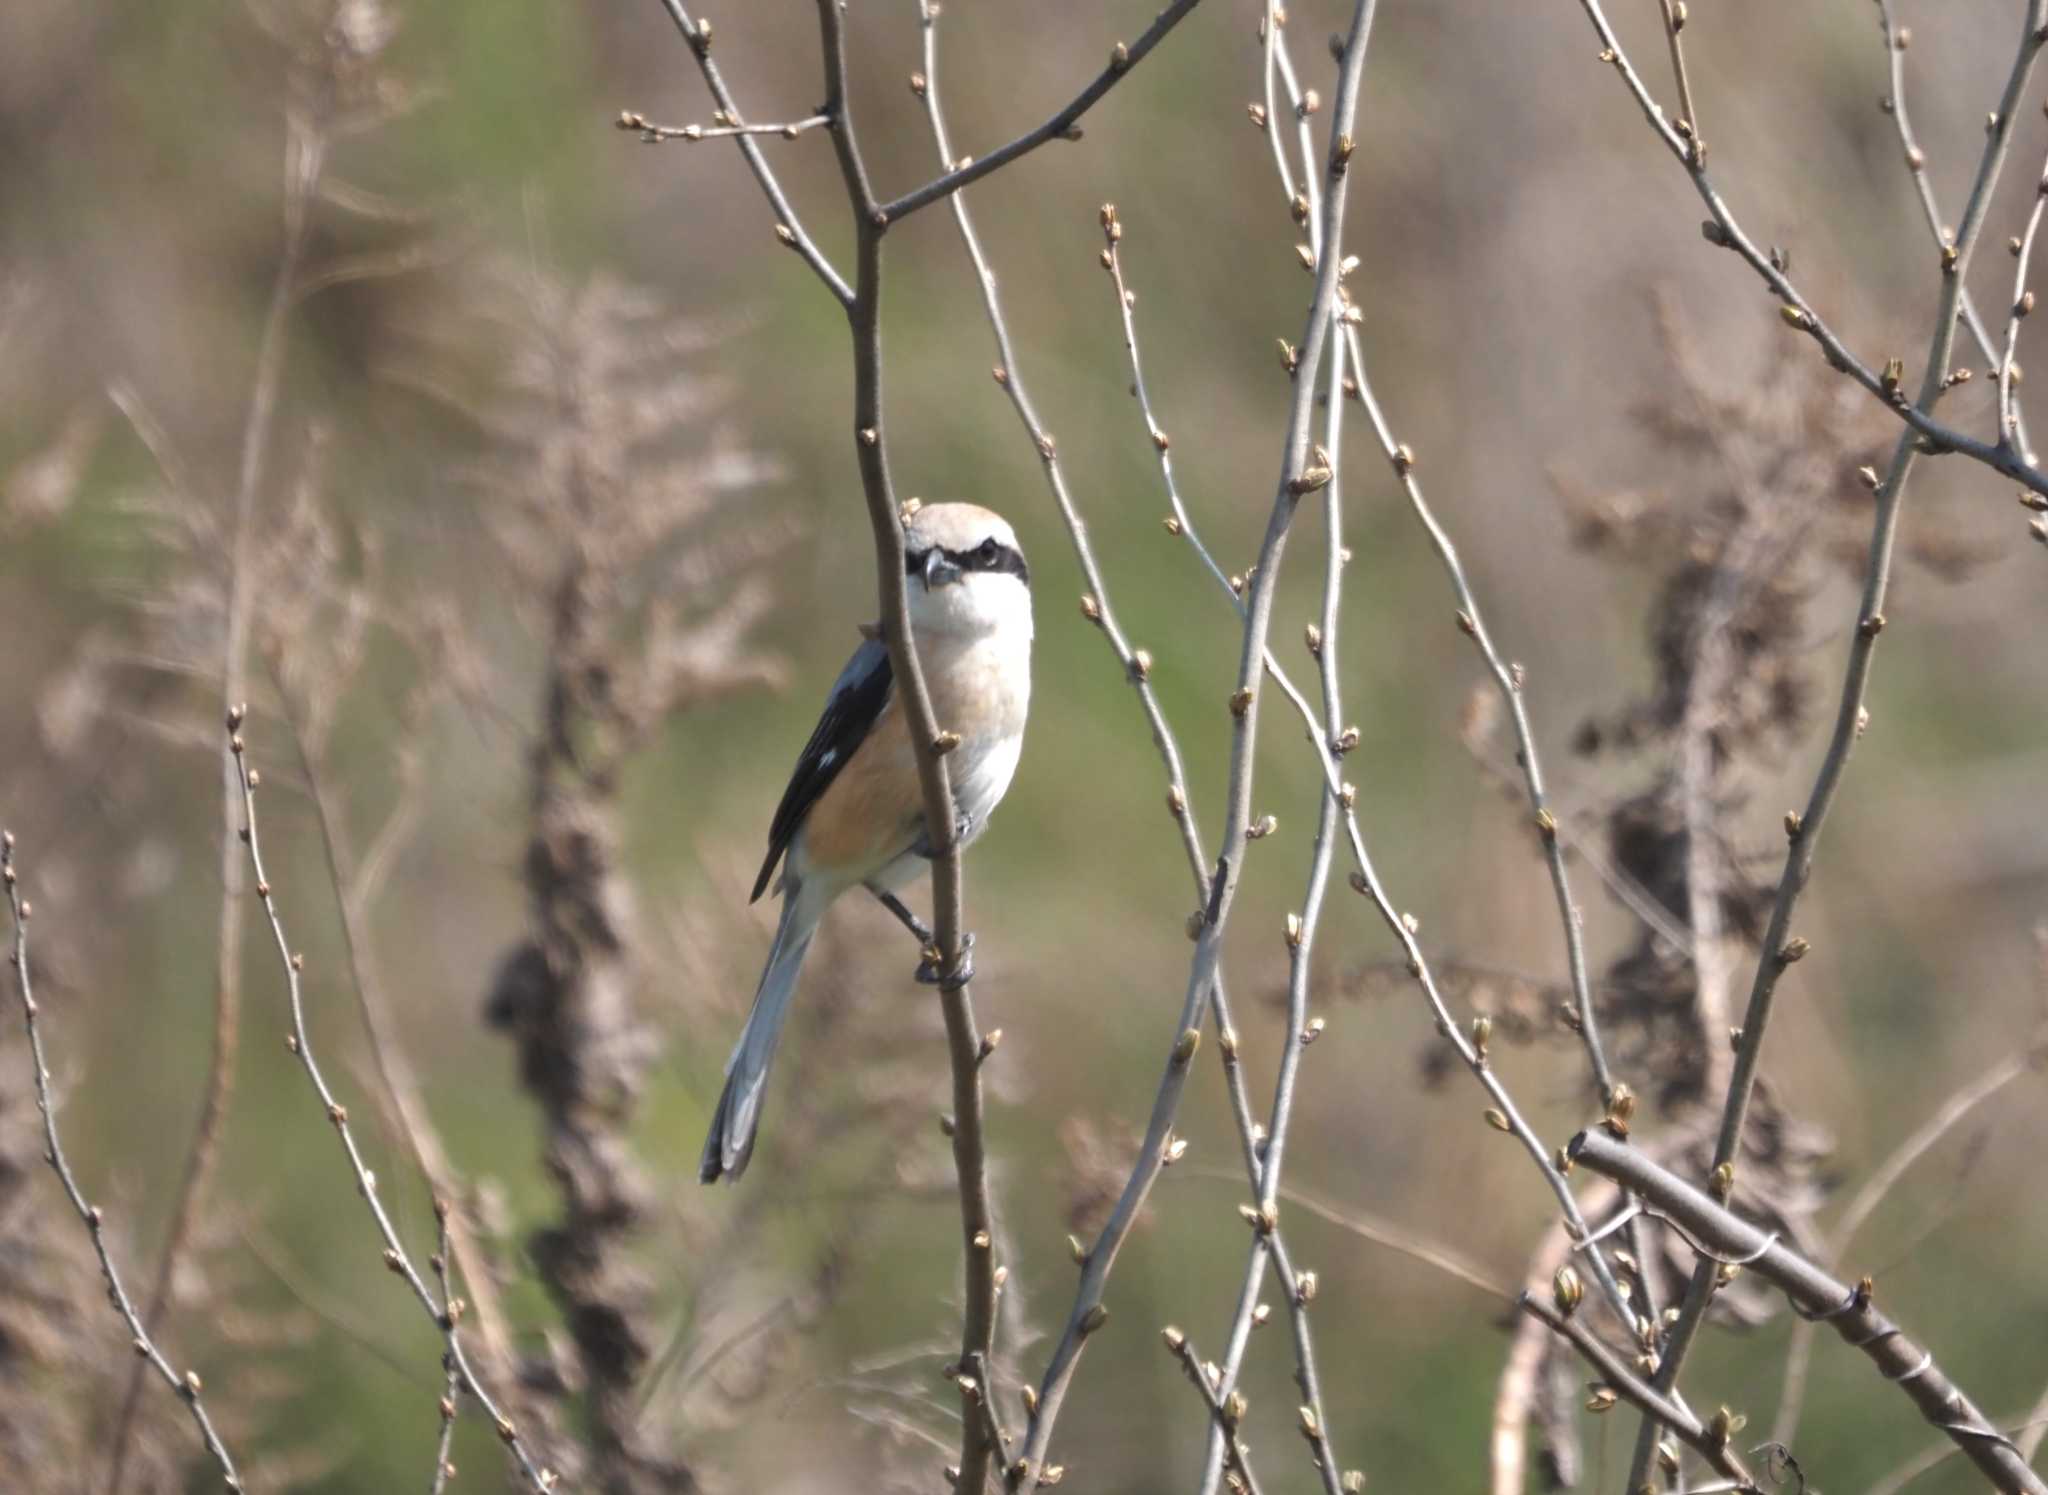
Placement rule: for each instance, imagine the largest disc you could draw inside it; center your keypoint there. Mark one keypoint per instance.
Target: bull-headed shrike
(853, 814)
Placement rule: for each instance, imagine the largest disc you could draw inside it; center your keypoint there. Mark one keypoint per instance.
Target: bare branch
(187, 1387)
(1724, 1239)
(444, 1313)
(1896, 39)
(1711, 1444)
(723, 128)
(1226, 1408)
(1722, 230)
(1946, 1117)
(1780, 948)
(1063, 124)
(788, 228)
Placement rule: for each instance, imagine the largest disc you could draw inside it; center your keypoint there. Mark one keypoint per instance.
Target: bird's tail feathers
(731, 1142)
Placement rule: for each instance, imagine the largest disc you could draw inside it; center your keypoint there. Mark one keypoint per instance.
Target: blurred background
(523, 447)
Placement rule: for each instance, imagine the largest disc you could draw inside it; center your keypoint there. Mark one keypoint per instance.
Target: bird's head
(965, 572)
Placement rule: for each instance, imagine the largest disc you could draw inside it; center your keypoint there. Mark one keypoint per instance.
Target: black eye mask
(990, 555)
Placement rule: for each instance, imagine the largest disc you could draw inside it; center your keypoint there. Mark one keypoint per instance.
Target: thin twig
(1368, 1228)
(1894, 103)
(1063, 124)
(2022, 303)
(1264, 1164)
(355, 884)
(1724, 1237)
(1365, 879)
(788, 227)
(1688, 112)
(651, 133)
(443, 1313)
(1780, 949)
(449, 1405)
(1300, 474)
(1710, 1444)
(1226, 1408)
(186, 1388)
(1798, 311)
(1011, 380)
(1098, 606)
(1507, 679)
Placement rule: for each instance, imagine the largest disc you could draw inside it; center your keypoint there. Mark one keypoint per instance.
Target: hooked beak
(938, 570)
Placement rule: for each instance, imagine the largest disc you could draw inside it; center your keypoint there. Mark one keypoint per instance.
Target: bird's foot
(931, 970)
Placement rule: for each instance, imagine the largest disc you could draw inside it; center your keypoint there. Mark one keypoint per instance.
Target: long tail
(731, 1141)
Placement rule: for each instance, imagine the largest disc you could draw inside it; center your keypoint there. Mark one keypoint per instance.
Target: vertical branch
(963, 1038)
(305, 157)
(1301, 473)
(148, 1356)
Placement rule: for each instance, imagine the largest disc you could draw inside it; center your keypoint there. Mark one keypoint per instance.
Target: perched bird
(853, 814)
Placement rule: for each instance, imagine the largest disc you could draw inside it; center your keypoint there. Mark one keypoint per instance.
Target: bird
(852, 815)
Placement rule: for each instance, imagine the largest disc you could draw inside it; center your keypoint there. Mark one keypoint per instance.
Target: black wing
(851, 711)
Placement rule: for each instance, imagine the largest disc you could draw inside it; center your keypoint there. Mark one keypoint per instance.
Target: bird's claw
(931, 970)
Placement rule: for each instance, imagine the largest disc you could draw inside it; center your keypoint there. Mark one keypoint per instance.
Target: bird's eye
(986, 552)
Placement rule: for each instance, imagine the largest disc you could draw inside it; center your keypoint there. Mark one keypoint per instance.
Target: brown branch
(963, 1038)
(1726, 1241)
(149, 1357)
